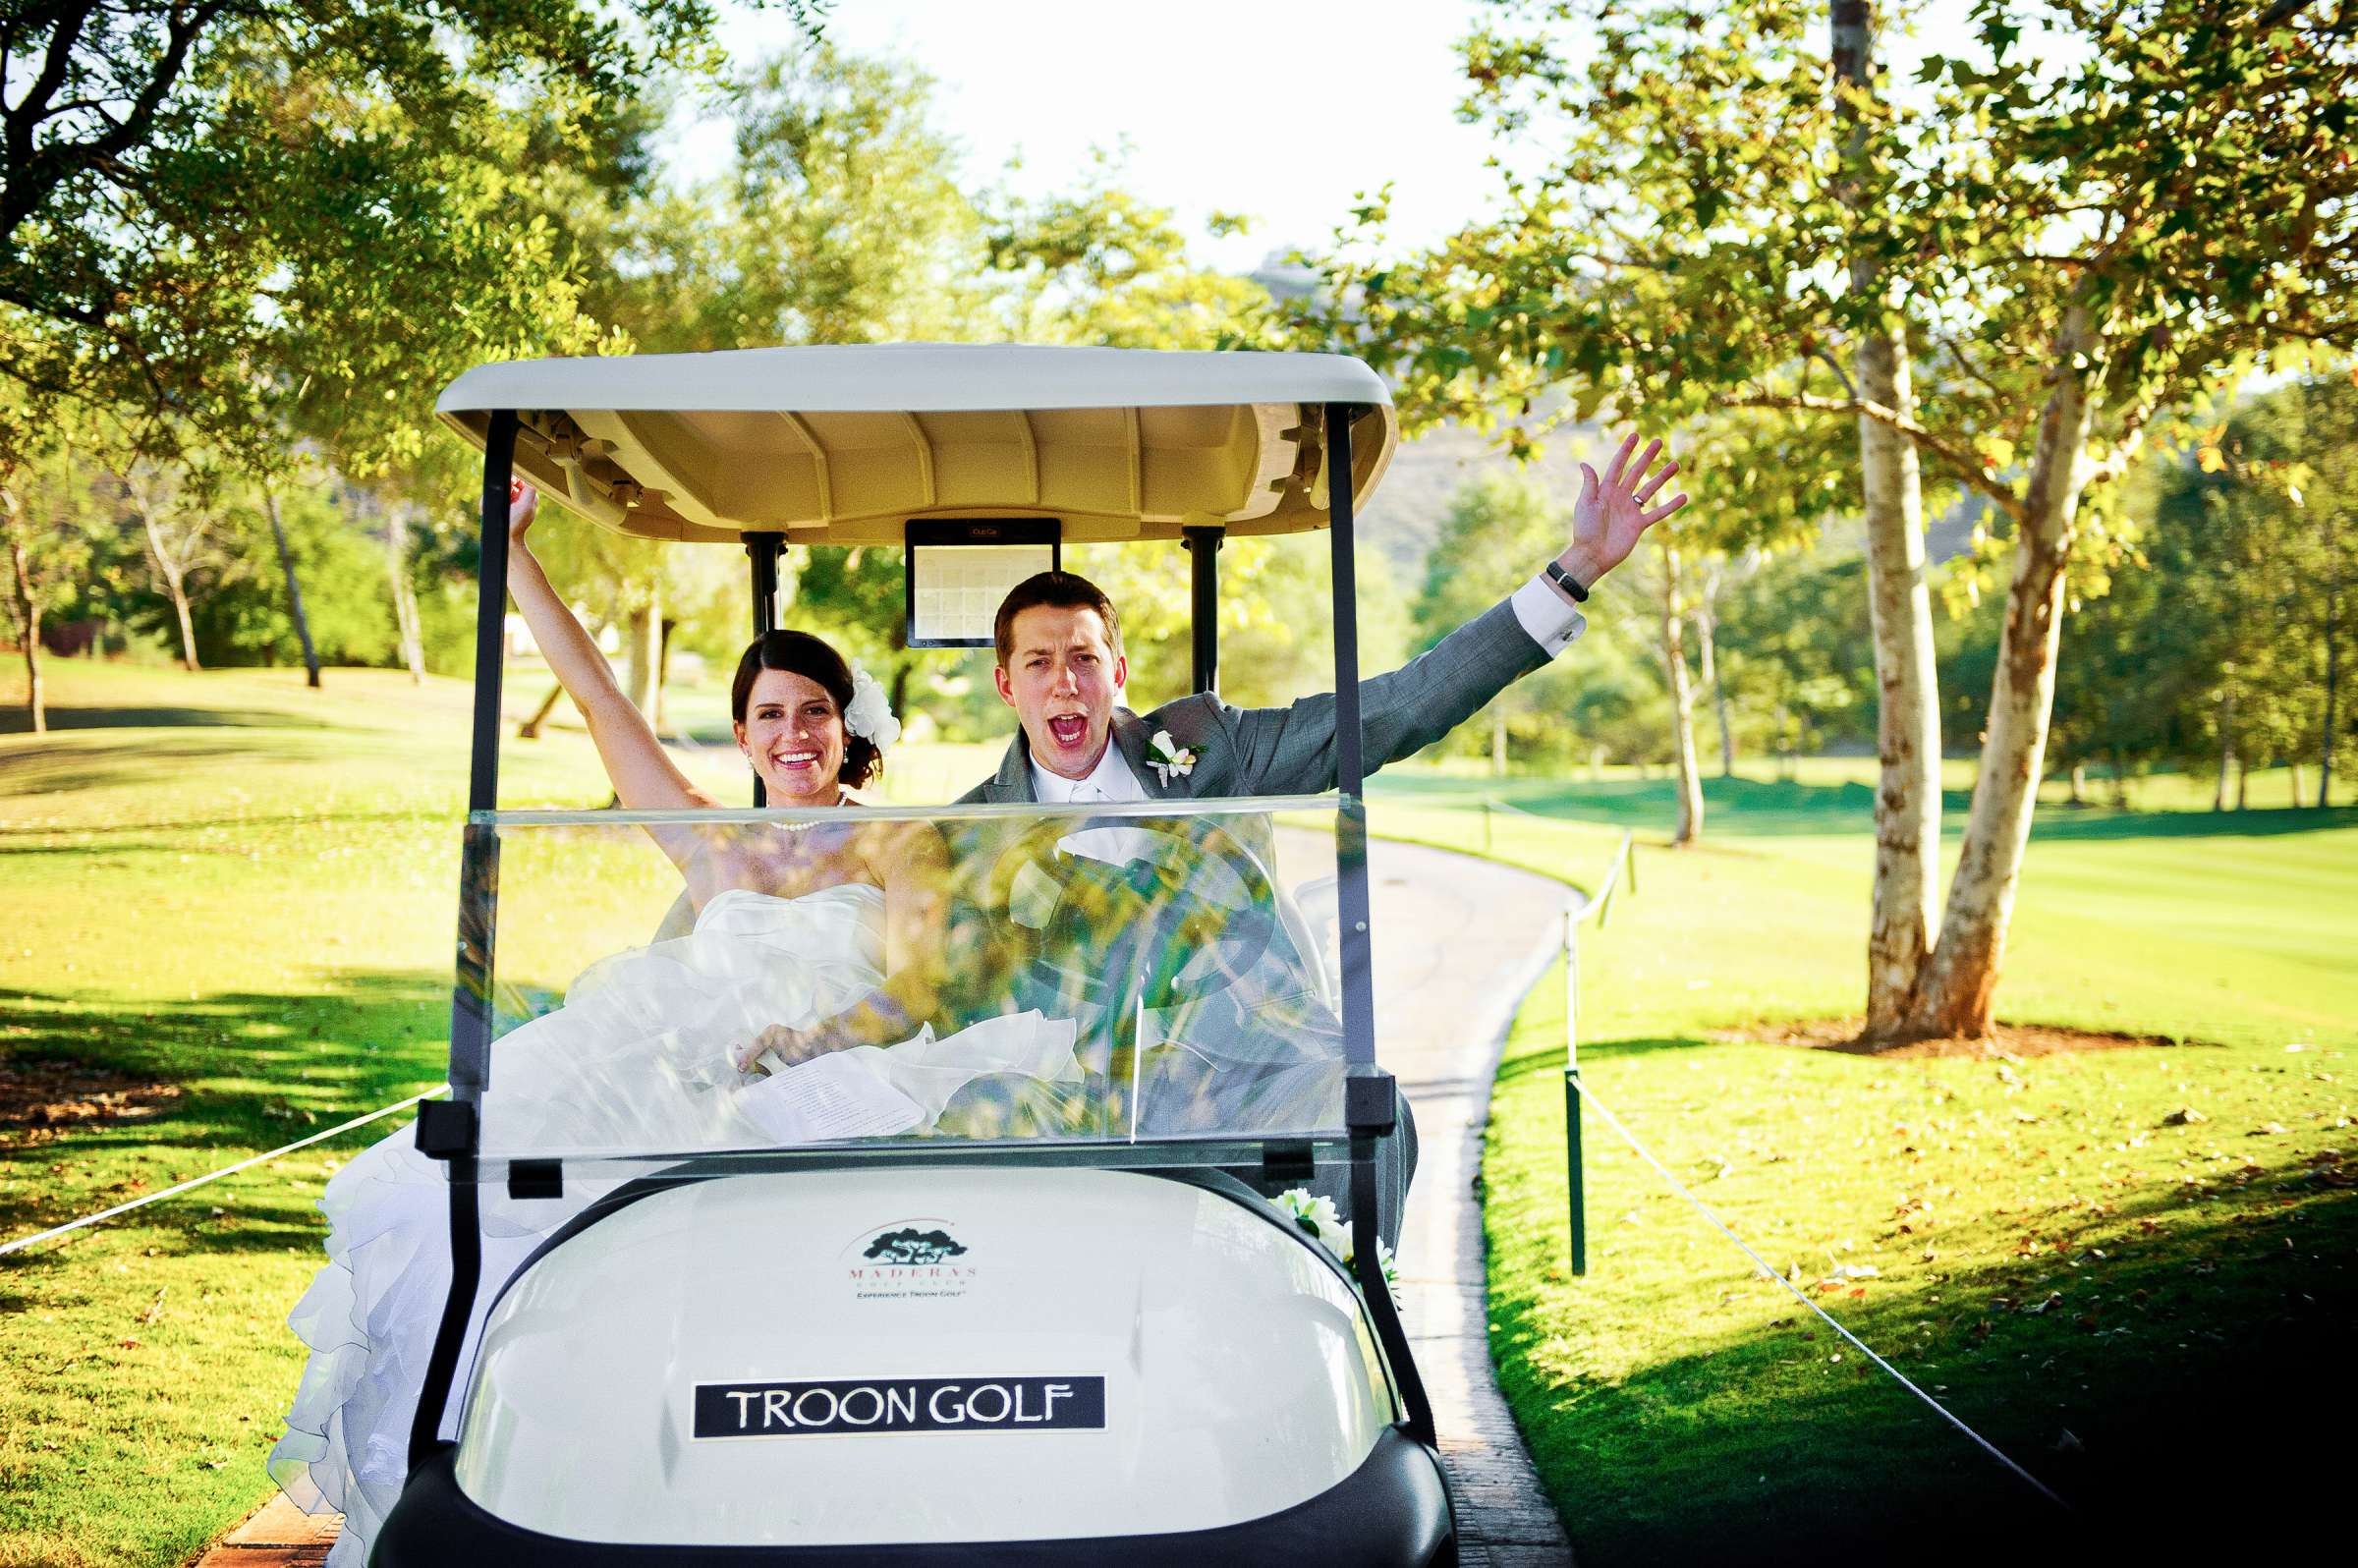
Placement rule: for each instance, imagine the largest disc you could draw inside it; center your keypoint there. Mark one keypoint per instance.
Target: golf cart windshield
(1015, 977)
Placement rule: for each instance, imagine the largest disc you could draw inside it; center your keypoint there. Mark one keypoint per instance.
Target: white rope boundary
(54, 1231)
(1589, 1097)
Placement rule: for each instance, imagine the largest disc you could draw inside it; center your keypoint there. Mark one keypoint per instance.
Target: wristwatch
(1567, 582)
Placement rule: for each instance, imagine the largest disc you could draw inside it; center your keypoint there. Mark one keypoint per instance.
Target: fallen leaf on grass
(2036, 1308)
(2184, 1117)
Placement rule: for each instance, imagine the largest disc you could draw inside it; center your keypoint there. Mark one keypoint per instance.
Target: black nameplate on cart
(839, 1406)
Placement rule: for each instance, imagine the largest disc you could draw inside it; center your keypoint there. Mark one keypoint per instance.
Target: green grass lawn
(241, 891)
(245, 891)
(2147, 1311)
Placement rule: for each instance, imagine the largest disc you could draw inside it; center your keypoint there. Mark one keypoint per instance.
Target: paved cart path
(1458, 942)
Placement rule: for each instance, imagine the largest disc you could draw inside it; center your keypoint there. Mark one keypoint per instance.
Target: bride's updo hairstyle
(800, 653)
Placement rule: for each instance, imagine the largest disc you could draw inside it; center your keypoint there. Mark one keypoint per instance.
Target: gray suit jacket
(1290, 750)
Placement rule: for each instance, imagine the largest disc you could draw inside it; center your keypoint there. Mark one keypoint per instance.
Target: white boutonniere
(1169, 759)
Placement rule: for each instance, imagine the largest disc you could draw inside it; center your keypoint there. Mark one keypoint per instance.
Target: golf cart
(1052, 1314)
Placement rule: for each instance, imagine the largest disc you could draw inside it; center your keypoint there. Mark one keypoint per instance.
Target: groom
(1063, 669)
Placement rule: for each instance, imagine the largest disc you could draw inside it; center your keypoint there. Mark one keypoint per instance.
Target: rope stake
(54, 1231)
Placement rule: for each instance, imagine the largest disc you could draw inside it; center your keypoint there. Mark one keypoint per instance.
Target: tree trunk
(1682, 708)
(286, 564)
(1706, 641)
(1961, 981)
(29, 612)
(2325, 754)
(2226, 747)
(2079, 783)
(904, 669)
(1907, 798)
(646, 637)
(2243, 785)
(1497, 740)
(175, 586)
(405, 592)
(662, 718)
(530, 729)
(2296, 784)
(2120, 782)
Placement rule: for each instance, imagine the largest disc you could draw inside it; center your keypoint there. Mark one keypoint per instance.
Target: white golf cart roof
(844, 445)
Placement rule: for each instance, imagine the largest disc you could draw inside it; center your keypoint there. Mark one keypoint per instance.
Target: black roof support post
(1204, 613)
(450, 1129)
(1371, 1100)
(763, 549)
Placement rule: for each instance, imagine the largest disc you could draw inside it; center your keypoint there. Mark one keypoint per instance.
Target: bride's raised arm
(643, 773)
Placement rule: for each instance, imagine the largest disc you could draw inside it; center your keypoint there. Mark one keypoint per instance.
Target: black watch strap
(1567, 582)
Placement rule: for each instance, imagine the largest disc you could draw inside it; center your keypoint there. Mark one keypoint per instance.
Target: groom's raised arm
(1291, 749)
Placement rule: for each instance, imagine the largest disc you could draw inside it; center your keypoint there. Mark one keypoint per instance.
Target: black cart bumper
(1391, 1512)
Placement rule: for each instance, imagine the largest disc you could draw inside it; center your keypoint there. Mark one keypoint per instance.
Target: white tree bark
(645, 639)
(173, 572)
(28, 608)
(1907, 798)
(1707, 644)
(405, 592)
(286, 565)
(1682, 704)
(1955, 997)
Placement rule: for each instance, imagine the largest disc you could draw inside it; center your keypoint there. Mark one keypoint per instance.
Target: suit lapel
(1012, 784)
(1131, 734)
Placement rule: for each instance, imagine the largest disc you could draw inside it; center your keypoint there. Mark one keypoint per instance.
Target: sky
(1283, 112)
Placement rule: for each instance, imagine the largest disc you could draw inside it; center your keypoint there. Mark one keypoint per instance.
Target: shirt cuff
(1551, 623)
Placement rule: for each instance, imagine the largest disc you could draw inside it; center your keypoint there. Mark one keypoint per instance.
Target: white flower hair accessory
(869, 716)
(1168, 759)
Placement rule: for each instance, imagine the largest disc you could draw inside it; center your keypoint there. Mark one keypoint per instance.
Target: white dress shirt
(1551, 623)
(1110, 780)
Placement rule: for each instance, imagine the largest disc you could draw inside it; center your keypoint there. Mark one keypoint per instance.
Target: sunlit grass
(2109, 1289)
(245, 890)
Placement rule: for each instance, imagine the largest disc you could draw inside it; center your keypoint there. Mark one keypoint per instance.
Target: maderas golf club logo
(913, 1245)
(907, 1259)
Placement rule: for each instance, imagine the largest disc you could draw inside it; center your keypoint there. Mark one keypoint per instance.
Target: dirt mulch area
(45, 1095)
(2004, 1041)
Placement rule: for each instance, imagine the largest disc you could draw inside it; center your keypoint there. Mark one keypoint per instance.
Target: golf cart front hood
(919, 1355)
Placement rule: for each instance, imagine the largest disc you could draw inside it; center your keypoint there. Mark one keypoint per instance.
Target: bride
(814, 950)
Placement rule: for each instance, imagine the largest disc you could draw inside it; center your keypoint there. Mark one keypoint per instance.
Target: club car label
(900, 1405)
(908, 1259)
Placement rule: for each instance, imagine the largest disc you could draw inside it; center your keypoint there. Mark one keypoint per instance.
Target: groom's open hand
(1613, 513)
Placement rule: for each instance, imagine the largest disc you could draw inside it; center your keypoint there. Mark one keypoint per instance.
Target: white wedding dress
(638, 1060)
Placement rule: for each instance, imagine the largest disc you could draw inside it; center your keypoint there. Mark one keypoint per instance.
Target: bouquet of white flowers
(1319, 1218)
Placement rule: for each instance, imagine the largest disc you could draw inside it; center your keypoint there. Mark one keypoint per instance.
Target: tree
(178, 511)
(49, 522)
(169, 165)
(2081, 234)
(1496, 517)
(1907, 818)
